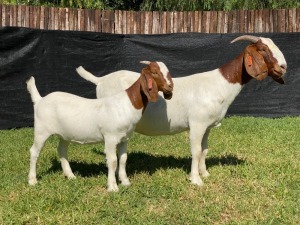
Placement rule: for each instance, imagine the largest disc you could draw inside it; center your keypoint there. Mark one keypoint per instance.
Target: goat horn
(145, 62)
(251, 38)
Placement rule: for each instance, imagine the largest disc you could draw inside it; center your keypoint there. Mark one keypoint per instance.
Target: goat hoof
(197, 181)
(125, 182)
(32, 181)
(113, 188)
(71, 177)
(205, 174)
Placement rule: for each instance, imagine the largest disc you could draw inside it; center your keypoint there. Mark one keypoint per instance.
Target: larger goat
(111, 119)
(201, 100)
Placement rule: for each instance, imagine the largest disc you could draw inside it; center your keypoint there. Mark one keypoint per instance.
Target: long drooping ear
(255, 64)
(149, 85)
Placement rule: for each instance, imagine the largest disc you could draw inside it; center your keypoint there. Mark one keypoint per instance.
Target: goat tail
(87, 75)
(34, 93)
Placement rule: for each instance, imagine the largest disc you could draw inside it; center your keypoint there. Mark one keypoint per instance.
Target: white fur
(76, 119)
(199, 102)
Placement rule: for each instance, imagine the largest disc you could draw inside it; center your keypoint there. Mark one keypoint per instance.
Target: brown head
(263, 58)
(154, 78)
(160, 73)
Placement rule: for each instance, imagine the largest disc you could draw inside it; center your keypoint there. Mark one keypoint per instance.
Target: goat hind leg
(62, 150)
(35, 150)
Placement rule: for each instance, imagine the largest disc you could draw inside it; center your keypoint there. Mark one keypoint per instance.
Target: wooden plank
(191, 16)
(200, 21)
(281, 20)
(220, 22)
(31, 12)
(131, 22)
(203, 25)
(13, 16)
(148, 24)
(87, 19)
(291, 20)
(169, 22)
(118, 28)
(1, 16)
(213, 22)
(251, 21)
(143, 19)
(226, 21)
(260, 22)
(297, 20)
(42, 18)
(175, 22)
(128, 23)
(196, 21)
(67, 23)
(265, 20)
(156, 23)
(181, 22)
(163, 22)
(138, 22)
(24, 15)
(63, 19)
(186, 22)
(56, 18)
(241, 21)
(6, 13)
(75, 20)
(275, 23)
(80, 23)
(98, 20)
(19, 16)
(230, 22)
(107, 21)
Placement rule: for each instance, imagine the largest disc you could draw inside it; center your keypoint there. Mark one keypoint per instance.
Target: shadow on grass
(142, 162)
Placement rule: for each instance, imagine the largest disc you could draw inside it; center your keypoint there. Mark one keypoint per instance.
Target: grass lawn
(253, 162)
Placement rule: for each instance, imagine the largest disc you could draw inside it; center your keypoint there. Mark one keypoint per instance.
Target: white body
(199, 102)
(76, 119)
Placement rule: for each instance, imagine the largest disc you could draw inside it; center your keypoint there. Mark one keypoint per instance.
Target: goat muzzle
(277, 74)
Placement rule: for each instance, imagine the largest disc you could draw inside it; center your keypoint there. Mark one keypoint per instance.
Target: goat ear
(149, 86)
(255, 64)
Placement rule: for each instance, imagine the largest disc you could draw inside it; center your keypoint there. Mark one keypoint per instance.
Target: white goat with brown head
(201, 100)
(110, 119)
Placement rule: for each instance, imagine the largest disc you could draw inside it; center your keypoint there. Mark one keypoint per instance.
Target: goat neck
(137, 97)
(234, 71)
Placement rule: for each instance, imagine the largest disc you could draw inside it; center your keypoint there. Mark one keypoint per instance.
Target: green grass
(253, 162)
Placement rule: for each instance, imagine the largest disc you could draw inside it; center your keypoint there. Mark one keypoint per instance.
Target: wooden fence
(131, 22)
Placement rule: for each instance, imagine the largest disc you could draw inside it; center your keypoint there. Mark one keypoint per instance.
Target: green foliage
(253, 162)
(192, 5)
(164, 5)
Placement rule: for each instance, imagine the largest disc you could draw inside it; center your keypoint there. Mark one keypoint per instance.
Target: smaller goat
(111, 119)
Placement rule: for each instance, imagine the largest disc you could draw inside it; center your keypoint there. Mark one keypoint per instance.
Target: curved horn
(145, 62)
(251, 38)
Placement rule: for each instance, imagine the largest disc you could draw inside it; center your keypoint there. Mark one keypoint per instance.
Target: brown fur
(256, 61)
(146, 88)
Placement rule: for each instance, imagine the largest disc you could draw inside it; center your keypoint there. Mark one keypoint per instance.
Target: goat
(201, 100)
(110, 119)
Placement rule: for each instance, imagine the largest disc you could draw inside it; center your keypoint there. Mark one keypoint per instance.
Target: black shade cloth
(52, 56)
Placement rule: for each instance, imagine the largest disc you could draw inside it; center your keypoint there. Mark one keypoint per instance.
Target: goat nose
(283, 68)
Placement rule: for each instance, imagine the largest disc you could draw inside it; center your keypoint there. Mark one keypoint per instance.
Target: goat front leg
(196, 136)
(202, 166)
(63, 156)
(112, 161)
(122, 152)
